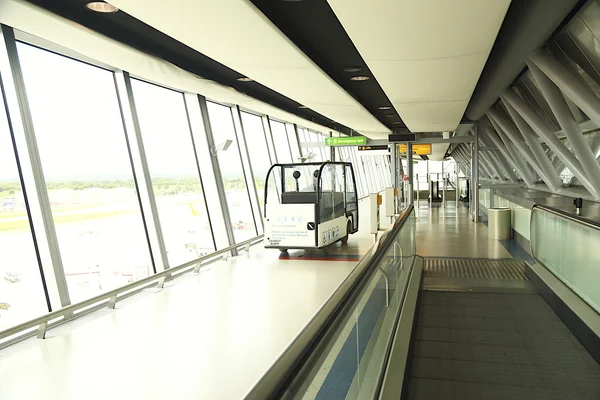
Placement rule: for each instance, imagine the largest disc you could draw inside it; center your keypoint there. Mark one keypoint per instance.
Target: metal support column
(409, 162)
(549, 138)
(497, 158)
(516, 138)
(509, 162)
(550, 176)
(570, 127)
(570, 85)
(30, 169)
(521, 163)
(475, 174)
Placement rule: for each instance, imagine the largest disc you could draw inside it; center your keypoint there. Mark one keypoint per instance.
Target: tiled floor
(448, 232)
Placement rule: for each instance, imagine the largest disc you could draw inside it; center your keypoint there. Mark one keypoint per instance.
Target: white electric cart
(310, 205)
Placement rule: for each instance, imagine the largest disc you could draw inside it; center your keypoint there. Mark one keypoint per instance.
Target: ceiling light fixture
(302, 107)
(102, 7)
(360, 78)
(245, 79)
(352, 69)
(385, 108)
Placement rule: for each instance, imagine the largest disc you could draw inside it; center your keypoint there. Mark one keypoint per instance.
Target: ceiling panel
(427, 55)
(236, 34)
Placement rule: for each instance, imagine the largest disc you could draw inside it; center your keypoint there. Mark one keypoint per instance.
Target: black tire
(348, 228)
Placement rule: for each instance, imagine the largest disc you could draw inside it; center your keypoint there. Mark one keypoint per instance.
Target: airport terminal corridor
(299, 200)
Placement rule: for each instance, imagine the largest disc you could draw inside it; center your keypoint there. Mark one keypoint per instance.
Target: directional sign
(346, 141)
(421, 149)
(373, 147)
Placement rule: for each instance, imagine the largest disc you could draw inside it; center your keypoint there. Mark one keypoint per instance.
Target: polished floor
(448, 232)
(206, 336)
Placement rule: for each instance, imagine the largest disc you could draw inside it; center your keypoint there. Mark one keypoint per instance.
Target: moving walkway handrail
(288, 364)
(112, 295)
(565, 215)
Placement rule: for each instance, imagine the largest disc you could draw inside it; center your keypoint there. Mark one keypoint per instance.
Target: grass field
(23, 223)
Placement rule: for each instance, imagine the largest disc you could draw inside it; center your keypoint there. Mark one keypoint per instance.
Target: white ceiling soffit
(426, 55)
(235, 33)
(80, 42)
(438, 151)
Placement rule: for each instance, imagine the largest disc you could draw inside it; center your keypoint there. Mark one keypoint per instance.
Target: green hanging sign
(346, 141)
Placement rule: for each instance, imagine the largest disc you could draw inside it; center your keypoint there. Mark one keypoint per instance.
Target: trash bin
(499, 223)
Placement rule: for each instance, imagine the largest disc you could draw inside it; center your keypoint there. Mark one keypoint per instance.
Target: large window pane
(88, 172)
(259, 155)
(174, 172)
(232, 171)
(282, 147)
(21, 291)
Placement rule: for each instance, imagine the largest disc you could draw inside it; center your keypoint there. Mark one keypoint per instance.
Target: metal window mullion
(133, 132)
(23, 134)
(249, 173)
(192, 124)
(270, 141)
(213, 202)
(287, 140)
(297, 136)
(217, 172)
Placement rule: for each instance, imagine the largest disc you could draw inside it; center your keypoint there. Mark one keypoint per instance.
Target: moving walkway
(401, 326)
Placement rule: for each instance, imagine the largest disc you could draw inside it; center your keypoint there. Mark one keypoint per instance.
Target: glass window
(228, 155)
(88, 173)
(172, 163)
(21, 290)
(282, 147)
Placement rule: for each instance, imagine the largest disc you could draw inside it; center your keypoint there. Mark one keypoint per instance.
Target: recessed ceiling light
(245, 79)
(102, 7)
(385, 108)
(360, 78)
(303, 107)
(352, 69)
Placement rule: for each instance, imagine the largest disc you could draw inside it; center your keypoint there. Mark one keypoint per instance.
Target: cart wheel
(284, 251)
(345, 238)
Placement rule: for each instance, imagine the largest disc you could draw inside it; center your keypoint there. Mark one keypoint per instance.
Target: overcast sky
(79, 130)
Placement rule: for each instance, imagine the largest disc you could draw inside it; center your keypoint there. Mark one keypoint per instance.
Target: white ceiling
(51, 31)
(426, 54)
(236, 34)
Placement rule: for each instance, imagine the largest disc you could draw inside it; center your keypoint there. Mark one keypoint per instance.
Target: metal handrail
(565, 215)
(112, 295)
(284, 368)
